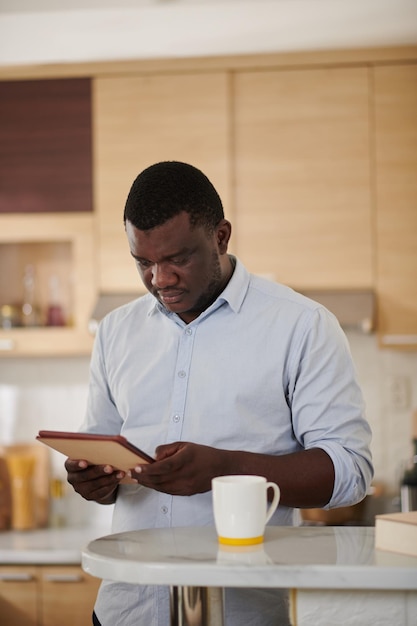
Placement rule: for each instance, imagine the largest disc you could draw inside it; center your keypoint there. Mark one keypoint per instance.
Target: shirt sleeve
(328, 407)
(101, 416)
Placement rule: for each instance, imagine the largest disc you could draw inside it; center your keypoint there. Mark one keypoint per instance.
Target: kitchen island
(335, 574)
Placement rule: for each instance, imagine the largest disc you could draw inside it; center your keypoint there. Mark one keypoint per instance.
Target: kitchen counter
(47, 546)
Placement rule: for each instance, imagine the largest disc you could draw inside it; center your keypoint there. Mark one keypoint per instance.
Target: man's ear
(223, 232)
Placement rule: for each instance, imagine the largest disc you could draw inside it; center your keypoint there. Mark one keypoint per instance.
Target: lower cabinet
(19, 595)
(46, 595)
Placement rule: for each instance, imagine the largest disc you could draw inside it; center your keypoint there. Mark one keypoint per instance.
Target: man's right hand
(94, 482)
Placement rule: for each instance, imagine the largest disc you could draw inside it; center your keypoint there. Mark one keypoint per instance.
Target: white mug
(240, 505)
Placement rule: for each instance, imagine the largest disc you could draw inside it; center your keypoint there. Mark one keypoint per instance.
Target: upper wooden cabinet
(47, 254)
(396, 197)
(313, 154)
(303, 186)
(141, 120)
(45, 146)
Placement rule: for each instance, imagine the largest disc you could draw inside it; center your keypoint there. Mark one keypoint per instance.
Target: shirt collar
(237, 287)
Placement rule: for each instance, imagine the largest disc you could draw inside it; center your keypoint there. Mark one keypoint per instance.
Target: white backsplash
(40, 394)
(378, 371)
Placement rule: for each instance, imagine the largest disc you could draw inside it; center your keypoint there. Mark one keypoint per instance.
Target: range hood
(107, 302)
(354, 308)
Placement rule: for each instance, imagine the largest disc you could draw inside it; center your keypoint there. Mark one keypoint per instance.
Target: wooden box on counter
(40, 480)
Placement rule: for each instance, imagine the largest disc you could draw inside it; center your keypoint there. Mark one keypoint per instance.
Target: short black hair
(165, 189)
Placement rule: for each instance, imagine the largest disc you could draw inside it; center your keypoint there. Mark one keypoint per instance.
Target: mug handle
(274, 504)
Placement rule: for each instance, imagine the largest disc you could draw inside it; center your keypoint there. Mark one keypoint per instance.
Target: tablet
(113, 450)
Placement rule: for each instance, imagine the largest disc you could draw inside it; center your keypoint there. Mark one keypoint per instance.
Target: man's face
(185, 268)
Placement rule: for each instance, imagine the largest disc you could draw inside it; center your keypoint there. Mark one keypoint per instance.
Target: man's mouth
(170, 297)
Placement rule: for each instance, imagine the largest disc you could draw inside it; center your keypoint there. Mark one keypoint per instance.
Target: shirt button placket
(179, 394)
(180, 387)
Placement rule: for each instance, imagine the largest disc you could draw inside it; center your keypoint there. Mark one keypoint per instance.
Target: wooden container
(40, 479)
(21, 468)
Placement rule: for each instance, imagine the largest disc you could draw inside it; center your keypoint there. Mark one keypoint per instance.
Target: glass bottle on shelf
(54, 314)
(30, 311)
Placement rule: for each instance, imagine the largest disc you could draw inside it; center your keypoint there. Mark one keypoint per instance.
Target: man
(215, 372)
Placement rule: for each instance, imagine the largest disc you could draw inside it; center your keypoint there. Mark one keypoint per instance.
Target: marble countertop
(307, 557)
(48, 546)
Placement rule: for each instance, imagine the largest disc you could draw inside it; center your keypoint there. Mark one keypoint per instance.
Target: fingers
(177, 471)
(73, 465)
(93, 482)
(167, 461)
(166, 450)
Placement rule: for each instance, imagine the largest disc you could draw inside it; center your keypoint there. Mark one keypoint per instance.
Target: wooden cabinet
(45, 145)
(19, 595)
(138, 121)
(302, 175)
(314, 156)
(46, 595)
(46, 219)
(67, 596)
(396, 198)
(60, 248)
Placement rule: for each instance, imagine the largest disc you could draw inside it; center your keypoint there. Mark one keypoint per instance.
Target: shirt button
(182, 374)
(189, 331)
(164, 509)
(176, 418)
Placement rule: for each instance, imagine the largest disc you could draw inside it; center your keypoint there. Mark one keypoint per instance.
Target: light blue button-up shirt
(263, 369)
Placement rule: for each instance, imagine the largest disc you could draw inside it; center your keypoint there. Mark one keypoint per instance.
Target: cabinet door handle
(16, 577)
(63, 578)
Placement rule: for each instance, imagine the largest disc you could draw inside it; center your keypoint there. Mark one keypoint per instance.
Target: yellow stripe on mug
(249, 541)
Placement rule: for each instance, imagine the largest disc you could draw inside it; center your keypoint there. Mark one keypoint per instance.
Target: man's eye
(143, 263)
(180, 260)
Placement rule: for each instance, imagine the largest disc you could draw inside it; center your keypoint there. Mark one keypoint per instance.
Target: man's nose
(163, 276)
